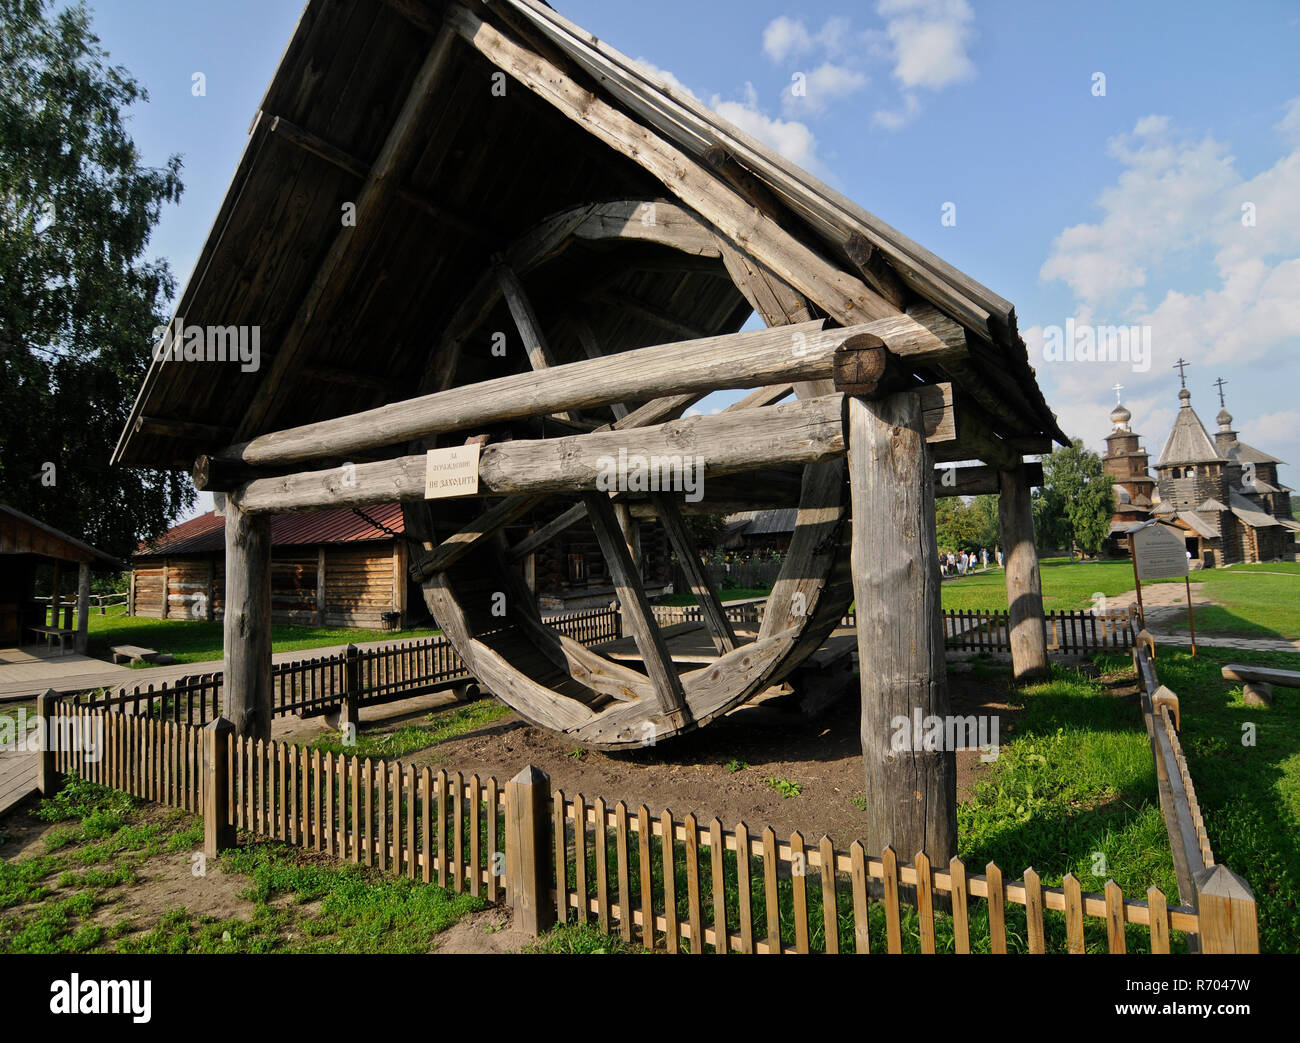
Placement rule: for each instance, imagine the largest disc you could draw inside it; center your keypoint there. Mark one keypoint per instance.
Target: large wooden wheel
(662, 682)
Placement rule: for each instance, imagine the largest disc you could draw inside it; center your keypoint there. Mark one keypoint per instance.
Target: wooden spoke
(688, 554)
(530, 329)
(636, 606)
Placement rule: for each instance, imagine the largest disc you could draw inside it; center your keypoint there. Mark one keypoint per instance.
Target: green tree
(1077, 501)
(78, 299)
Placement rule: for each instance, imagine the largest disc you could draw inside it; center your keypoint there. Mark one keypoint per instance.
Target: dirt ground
(721, 770)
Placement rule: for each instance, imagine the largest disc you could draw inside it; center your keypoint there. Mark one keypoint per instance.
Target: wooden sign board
(1160, 552)
(451, 472)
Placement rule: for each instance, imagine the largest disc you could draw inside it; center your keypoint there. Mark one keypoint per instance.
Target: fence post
(528, 848)
(350, 706)
(218, 832)
(1226, 910)
(48, 779)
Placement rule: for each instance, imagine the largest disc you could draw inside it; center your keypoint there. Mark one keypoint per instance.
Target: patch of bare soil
(167, 882)
(723, 770)
(489, 931)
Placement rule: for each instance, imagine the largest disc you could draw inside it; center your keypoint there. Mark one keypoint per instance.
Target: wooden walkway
(17, 778)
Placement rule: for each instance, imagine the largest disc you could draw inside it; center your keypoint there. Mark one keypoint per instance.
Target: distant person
(997, 551)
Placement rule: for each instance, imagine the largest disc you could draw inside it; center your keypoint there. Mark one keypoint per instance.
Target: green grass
(1249, 795)
(1065, 586)
(442, 725)
(197, 641)
(1250, 601)
(63, 899)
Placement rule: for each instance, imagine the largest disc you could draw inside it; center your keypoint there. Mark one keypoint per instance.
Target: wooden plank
(602, 867)
(925, 901)
(668, 830)
(580, 857)
(861, 917)
(770, 892)
(697, 576)
(893, 926)
(1034, 912)
(1116, 940)
(1073, 914)
(558, 835)
(960, 906)
(717, 878)
(743, 884)
(368, 780)
(646, 874)
(799, 890)
(1159, 920)
(830, 906)
(494, 853)
(624, 886)
(694, 919)
(442, 827)
(997, 913)
(412, 852)
(458, 827)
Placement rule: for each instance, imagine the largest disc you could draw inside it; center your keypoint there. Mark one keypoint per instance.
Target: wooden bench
(133, 654)
(1258, 681)
(49, 634)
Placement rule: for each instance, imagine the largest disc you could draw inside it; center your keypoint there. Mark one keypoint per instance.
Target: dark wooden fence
(1068, 633)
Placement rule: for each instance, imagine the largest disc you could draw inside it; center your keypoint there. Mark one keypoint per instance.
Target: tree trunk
(1024, 584)
(247, 690)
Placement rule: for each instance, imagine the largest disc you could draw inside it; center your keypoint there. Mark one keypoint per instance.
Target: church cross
(1181, 365)
(1219, 384)
(1118, 389)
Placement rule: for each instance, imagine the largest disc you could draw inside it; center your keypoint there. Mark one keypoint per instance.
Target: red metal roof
(207, 532)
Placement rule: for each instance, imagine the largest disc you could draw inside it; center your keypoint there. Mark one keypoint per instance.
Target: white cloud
(929, 39)
(896, 119)
(664, 76)
(812, 92)
(786, 37)
(791, 138)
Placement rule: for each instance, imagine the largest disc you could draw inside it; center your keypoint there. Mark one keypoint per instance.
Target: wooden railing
(1200, 880)
(554, 857)
(1068, 633)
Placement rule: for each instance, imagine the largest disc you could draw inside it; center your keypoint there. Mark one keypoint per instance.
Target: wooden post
(248, 623)
(83, 607)
(48, 779)
(528, 801)
(130, 595)
(349, 707)
(320, 586)
(56, 583)
(1226, 909)
(166, 592)
(1137, 581)
(1024, 584)
(218, 832)
(911, 793)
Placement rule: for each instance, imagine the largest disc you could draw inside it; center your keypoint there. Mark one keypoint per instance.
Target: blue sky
(1122, 207)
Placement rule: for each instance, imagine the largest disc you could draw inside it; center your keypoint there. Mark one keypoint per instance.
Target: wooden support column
(83, 607)
(166, 591)
(218, 830)
(1024, 584)
(130, 595)
(48, 779)
(320, 586)
(56, 583)
(247, 697)
(911, 792)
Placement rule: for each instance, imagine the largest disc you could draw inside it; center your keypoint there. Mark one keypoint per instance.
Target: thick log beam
(978, 481)
(774, 356)
(911, 791)
(247, 689)
(689, 450)
(1024, 582)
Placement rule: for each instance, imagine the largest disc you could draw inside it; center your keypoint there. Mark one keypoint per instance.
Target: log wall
(360, 585)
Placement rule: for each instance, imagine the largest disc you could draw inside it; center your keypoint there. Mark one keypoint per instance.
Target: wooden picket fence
(678, 886)
(1068, 633)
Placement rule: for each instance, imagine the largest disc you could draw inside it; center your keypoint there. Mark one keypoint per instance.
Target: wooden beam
(626, 302)
(688, 556)
(725, 443)
(978, 481)
(246, 698)
(189, 430)
(911, 792)
(774, 356)
(83, 608)
(354, 378)
(846, 298)
(637, 614)
(876, 270)
(395, 158)
(1024, 582)
(591, 348)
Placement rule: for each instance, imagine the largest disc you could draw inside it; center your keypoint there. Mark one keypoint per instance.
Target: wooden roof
(21, 534)
(476, 172)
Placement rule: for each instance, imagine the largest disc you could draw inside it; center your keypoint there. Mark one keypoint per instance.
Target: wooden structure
(333, 568)
(26, 545)
(471, 222)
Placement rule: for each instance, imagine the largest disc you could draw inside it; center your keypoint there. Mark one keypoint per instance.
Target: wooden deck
(17, 778)
(27, 671)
